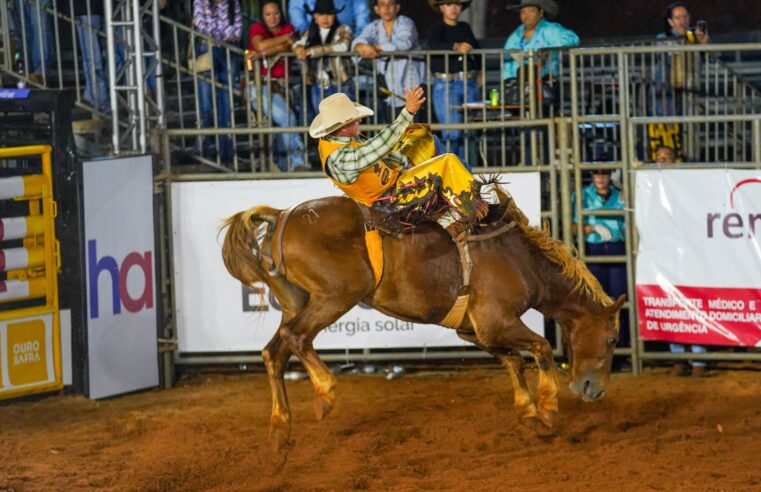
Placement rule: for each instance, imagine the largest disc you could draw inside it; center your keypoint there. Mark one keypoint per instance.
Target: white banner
(119, 244)
(215, 313)
(699, 260)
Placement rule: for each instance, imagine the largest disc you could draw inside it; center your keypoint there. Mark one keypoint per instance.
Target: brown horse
(328, 271)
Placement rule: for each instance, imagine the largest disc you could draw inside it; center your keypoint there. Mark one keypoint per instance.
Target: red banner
(700, 315)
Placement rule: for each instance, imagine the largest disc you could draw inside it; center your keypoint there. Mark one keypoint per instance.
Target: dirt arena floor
(423, 431)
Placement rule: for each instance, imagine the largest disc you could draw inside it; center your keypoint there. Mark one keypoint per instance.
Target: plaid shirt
(347, 162)
(214, 21)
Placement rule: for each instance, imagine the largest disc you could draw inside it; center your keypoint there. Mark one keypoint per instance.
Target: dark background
(597, 20)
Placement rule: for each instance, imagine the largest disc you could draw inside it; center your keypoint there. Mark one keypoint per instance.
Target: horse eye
(612, 340)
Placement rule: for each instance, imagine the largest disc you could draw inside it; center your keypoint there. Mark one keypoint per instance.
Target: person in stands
(535, 33)
(666, 155)
(270, 37)
(326, 36)
(355, 14)
(391, 32)
(220, 20)
(604, 236)
(455, 76)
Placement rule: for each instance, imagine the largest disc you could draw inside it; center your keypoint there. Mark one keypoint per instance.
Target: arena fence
(30, 350)
(606, 107)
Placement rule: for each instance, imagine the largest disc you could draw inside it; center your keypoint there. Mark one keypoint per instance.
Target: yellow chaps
(456, 183)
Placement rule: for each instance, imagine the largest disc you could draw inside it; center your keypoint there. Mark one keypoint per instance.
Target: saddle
(491, 225)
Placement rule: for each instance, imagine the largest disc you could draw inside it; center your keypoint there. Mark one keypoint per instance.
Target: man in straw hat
(392, 167)
(536, 32)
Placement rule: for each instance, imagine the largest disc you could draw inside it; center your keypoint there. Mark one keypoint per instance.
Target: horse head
(590, 340)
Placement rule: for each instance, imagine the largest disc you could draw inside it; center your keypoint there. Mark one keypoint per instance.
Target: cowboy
(372, 170)
(535, 33)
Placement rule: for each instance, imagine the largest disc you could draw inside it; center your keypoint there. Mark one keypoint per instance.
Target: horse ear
(616, 306)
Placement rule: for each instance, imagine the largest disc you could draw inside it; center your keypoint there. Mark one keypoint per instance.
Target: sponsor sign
(699, 259)
(26, 354)
(215, 313)
(121, 324)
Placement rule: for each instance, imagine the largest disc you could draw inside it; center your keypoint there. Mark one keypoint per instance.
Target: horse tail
(240, 250)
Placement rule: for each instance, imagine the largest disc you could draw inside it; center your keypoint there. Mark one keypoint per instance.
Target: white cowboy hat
(336, 111)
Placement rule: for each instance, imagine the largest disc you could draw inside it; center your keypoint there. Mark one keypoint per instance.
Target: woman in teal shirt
(604, 236)
(534, 33)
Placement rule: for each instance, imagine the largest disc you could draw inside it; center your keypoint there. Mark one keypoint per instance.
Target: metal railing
(605, 108)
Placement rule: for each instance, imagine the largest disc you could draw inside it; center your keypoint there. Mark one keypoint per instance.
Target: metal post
(125, 33)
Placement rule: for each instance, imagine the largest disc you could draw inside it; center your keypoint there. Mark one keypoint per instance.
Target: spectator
(455, 77)
(222, 21)
(666, 155)
(89, 22)
(38, 28)
(325, 74)
(355, 14)
(392, 32)
(676, 73)
(271, 37)
(604, 236)
(676, 24)
(534, 33)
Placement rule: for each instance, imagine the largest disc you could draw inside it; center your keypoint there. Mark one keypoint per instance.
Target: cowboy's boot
(459, 231)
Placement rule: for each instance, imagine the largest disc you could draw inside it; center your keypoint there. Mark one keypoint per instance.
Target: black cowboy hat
(548, 6)
(323, 7)
(435, 3)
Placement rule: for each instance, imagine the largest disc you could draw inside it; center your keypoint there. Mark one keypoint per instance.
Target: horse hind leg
(276, 355)
(299, 332)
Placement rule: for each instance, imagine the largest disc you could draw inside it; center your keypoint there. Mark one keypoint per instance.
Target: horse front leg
(276, 355)
(515, 335)
(525, 407)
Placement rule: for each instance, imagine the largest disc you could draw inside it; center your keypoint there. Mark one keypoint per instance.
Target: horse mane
(572, 268)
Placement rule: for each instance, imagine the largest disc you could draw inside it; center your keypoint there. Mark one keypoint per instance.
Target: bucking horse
(317, 262)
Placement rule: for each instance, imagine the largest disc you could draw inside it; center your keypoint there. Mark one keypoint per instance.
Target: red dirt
(442, 431)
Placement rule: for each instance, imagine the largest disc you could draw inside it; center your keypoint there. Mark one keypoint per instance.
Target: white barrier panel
(699, 260)
(121, 325)
(215, 313)
(26, 353)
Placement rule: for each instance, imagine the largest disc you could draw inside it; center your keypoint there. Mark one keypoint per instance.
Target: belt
(456, 75)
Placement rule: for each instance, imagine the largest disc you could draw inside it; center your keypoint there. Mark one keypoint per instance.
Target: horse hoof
(280, 437)
(538, 426)
(323, 404)
(548, 417)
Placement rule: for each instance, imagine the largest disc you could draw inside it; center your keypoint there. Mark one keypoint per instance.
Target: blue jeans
(96, 86)
(288, 147)
(224, 75)
(446, 95)
(612, 277)
(32, 31)
(678, 348)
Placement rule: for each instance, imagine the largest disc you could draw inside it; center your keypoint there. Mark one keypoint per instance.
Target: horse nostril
(587, 385)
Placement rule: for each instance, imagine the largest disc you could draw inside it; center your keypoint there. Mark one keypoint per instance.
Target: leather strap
(488, 235)
(277, 263)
